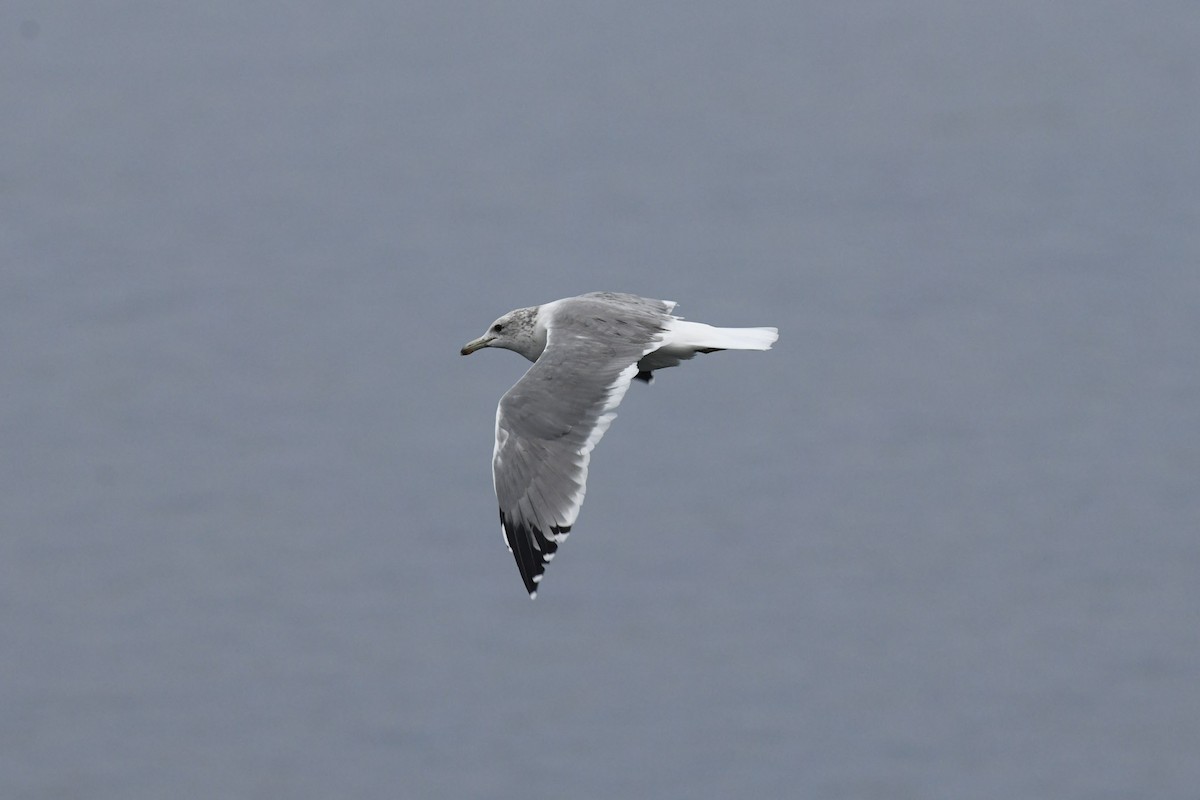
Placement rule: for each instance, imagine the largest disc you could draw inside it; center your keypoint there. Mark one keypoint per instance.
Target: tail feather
(682, 340)
(697, 336)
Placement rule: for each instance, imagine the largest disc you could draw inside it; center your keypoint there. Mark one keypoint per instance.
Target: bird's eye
(497, 328)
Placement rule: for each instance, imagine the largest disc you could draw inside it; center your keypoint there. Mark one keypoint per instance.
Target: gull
(586, 351)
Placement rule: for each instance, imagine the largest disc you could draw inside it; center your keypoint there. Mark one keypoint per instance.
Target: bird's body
(586, 351)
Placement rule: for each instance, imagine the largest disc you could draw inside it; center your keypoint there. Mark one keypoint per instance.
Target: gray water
(942, 542)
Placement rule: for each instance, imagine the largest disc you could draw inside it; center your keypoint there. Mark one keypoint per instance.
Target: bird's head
(517, 331)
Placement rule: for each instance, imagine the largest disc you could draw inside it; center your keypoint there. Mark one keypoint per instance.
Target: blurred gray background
(942, 542)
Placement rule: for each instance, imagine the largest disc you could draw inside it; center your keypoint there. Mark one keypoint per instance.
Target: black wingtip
(645, 376)
(530, 547)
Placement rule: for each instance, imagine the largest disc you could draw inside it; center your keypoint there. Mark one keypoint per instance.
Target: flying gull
(586, 351)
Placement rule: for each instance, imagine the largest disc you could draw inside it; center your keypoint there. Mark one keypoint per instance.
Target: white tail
(682, 340)
(696, 336)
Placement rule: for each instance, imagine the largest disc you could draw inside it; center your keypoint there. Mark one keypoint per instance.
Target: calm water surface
(942, 542)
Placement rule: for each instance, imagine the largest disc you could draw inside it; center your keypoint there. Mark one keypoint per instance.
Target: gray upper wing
(548, 423)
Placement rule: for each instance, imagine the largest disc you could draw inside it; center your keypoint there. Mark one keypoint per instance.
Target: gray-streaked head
(517, 331)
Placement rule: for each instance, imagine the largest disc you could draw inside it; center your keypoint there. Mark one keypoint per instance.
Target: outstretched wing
(548, 423)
